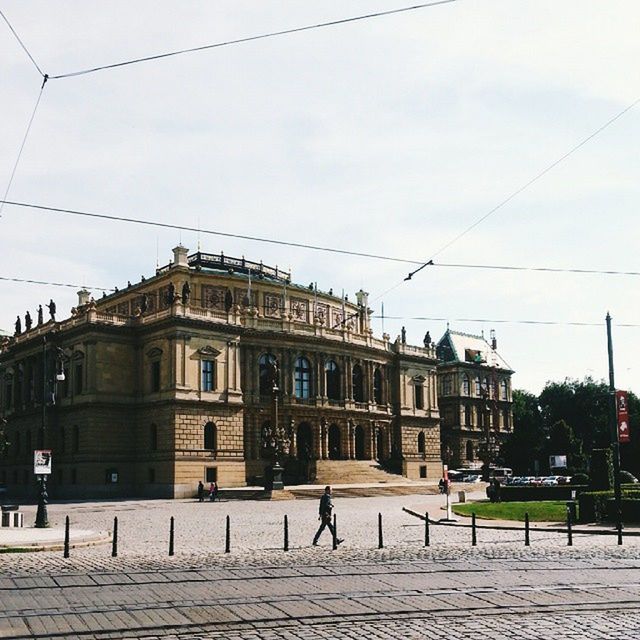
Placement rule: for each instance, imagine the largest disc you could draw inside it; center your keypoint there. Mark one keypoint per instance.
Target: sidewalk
(51, 539)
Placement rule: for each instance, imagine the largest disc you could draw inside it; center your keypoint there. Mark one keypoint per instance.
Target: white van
(502, 474)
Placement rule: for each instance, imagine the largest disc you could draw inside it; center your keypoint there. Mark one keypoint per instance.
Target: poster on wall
(42, 462)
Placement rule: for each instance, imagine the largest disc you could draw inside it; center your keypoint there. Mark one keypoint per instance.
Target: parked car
(551, 481)
(564, 479)
(473, 479)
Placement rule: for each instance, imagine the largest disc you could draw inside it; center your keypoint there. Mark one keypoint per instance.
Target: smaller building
(475, 400)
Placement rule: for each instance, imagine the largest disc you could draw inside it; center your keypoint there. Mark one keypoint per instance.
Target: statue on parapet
(186, 292)
(427, 340)
(28, 322)
(171, 293)
(403, 333)
(40, 319)
(18, 326)
(52, 309)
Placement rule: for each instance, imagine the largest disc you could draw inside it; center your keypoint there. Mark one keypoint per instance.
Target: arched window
(466, 385)
(487, 387)
(76, 438)
(332, 372)
(469, 451)
(377, 385)
(506, 420)
(153, 437)
(263, 366)
(447, 385)
(210, 438)
(358, 386)
(302, 378)
(467, 415)
(478, 386)
(421, 443)
(503, 390)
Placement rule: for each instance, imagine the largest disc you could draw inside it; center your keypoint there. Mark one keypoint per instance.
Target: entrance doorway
(334, 442)
(304, 441)
(359, 443)
(380, 444)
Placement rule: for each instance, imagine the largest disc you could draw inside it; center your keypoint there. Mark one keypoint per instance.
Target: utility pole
(613, 423)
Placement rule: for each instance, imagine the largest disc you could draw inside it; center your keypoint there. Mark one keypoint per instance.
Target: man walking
(326, 507)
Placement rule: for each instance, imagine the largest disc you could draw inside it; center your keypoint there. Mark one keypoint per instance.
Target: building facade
(164, 384)
(475, 399)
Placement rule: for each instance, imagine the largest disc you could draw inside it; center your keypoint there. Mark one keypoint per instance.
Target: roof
(455, 346)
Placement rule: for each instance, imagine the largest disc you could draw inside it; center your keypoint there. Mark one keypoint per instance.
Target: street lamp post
(42, 517)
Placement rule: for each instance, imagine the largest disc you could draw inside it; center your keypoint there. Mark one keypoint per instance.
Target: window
(74, 476)
(358, 386)
(77, 377)
(153, 437)
(111, 476)
(76, 439)
(467, 415)
(155, 375)
(208, 383)
(506, 419)
(447, 385)
(377, 385)
(333, 380)
(17, 440)
(152, 476)
(466, 385)
(40, 438)
(419, 393)
(62, 444)
(478, 386)
(421, 443)
(211, 474)
(302, 378)
(503, 390)
(8, 394)
(469, 451)
(27, 441)
(487, 388)
(210, 436)
(423, 470)
(264, 362)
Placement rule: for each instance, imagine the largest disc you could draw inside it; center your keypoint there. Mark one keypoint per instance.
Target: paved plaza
(497, 589)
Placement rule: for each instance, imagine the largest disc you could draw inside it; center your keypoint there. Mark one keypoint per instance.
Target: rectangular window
(152, 476)
(419, 391)
(423, 471)
(208, 375)
(155, 376)
(74, 476)
(77, 379)
(8, 395)
(212, 474)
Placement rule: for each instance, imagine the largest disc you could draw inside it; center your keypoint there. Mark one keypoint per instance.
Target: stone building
(165, 383)
(474, 396)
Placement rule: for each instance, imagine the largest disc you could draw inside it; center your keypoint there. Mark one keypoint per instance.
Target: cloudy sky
(387, 136)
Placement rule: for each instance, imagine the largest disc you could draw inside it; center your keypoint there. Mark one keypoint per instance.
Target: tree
(562, 441)
(528, 439)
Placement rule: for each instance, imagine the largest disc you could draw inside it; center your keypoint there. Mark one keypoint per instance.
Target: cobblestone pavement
(498, 589)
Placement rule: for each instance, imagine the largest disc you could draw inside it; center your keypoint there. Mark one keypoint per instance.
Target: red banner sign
(622, 409)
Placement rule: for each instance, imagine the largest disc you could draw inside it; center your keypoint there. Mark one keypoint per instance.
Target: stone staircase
(354, 472)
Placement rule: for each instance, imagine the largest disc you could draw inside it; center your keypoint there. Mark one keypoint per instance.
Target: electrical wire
(24, 141)
(262, 36)
(507, 321)
(35, 64)
(526, 185)
(53, 284)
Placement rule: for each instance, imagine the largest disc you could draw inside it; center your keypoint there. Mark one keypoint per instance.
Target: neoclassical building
(157, 386)
(474, 396)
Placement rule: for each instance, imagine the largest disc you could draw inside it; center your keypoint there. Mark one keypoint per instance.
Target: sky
(389, 136)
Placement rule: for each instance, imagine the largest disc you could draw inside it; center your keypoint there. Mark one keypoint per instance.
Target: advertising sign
(622, 410)
(42, 462)
(557, 462)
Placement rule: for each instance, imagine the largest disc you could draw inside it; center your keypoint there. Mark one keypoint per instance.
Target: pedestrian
(200, 491)
(326, 507)
(216, 489)
(441, 485)
(212, 492)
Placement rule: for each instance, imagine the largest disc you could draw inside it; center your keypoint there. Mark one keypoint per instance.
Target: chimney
(83, 297)
(494, 340)
(180, 256)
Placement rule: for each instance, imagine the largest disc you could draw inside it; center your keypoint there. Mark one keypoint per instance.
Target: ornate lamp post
(275, 436)
(42, 517)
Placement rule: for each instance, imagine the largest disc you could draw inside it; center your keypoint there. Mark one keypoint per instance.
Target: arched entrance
(359, 443)
(334, 442)
(469, 451)
(380, 444)
(304, 441)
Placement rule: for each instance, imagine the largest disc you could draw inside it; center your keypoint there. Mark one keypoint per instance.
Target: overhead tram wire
(524, 187)
(54, 284)
(273, 34)
(35, 64)
(566, 323)
(302, 245)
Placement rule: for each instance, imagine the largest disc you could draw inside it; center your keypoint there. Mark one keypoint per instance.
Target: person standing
(200, 491)
(326, 507)
(212, 492)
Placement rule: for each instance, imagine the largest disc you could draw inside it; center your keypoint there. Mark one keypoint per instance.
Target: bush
(601, 470)
(598, 506)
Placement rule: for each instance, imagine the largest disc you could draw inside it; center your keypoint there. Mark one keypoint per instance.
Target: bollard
(526, 529)
(335, 532)
(227, 544)
(66, 537)
(474, 539)
(286, 533)
(427, 541)
(171, 535)
(569, 532)
(114, 542)
(619, 525)
(380, 540)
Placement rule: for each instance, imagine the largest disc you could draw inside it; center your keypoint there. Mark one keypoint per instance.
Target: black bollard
(114, 542)
(526, 529)
(619, 525)
(335, 532)
(427, 540)
(286, 533)
(380, 540)
(66, 537)
(171, 534)
(227, 543)
(474, 539)
(569, 532)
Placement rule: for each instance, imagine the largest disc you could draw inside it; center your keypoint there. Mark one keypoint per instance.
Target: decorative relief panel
(241, 297)
(213, 297)
(123, 308)
(322, 312)
(163, 298)
(273, 302)
(300, 309)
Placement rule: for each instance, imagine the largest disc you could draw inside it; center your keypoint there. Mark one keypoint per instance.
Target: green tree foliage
(562, 441)
(528, 438)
